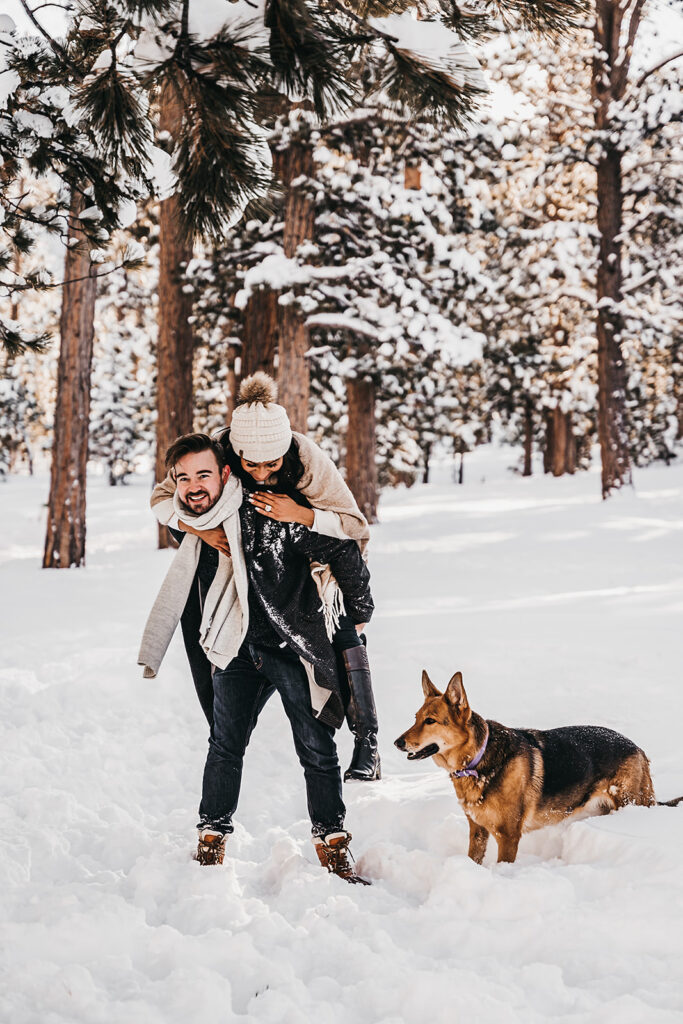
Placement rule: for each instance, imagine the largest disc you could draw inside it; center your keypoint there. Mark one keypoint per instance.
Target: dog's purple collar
(471, 768)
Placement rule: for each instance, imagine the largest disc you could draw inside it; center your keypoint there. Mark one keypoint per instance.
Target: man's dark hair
(192, 444)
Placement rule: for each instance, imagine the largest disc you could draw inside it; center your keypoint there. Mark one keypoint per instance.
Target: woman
(288, 478)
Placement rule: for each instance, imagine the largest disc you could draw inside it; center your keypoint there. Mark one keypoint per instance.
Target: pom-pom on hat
(260, 429)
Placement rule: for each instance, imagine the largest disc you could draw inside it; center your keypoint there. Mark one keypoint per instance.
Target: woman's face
(261, 472)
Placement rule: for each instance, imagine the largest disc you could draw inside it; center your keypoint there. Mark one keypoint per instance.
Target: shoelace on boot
(211, 849)
(341, 861)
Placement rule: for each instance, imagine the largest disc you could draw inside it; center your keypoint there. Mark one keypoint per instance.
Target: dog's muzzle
(429, 751)
(417, 755)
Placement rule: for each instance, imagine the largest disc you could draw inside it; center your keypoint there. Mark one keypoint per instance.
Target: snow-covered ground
(558, 608)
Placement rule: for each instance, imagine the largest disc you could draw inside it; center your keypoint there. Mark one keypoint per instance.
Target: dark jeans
(240, 692)
(200, 666)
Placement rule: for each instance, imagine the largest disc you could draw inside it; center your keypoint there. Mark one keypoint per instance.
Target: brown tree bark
(528, 439)
(612, 430)
(549, 441)
(293, 369)
(65, 538)
(426, 457)
(361, 465)
(412, 176)
(563, 455)
(259, 333)
(232, 383)
(175, 341)
(609, 79)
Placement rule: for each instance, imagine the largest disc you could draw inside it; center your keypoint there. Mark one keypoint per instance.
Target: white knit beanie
(259, 430)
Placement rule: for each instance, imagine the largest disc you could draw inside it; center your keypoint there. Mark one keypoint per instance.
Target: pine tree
(547, 284)
(616, 95)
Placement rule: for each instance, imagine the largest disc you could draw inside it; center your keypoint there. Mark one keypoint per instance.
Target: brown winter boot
(211, 847)
(333, 853)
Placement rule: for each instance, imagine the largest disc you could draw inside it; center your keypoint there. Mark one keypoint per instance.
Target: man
(276, 641)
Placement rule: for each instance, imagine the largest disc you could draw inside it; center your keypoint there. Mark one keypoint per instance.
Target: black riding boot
(361, 716)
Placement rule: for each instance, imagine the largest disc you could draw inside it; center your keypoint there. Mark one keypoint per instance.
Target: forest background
(429, 254)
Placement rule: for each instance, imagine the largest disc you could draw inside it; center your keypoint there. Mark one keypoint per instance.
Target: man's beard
(195, 511)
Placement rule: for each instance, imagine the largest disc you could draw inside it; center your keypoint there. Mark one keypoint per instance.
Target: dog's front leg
(479, 837)
(507, 846)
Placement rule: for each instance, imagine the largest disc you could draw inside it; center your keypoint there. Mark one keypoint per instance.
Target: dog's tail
(670, 803)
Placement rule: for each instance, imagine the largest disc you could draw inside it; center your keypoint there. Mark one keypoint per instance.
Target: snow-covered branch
(650, 71)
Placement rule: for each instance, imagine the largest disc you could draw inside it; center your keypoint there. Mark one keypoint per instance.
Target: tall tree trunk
(612, 430)
(610, 70)
(175, 342)
(293, 369)
(65, 539)
(232, 384)
(260, 333)
(361, 436)
(412, 176)
(528, 438)
(572, 447)
(28, 449)
(677, 359)
(361, 465)
(563, 456)
(549, 446)
(426, 455)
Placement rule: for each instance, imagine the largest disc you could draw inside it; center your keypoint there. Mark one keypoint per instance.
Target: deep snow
(558, 608)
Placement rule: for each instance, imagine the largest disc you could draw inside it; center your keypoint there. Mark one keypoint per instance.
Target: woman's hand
(281, 508)
(214, 538)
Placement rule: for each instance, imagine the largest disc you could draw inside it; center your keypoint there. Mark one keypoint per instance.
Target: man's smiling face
(199, 481)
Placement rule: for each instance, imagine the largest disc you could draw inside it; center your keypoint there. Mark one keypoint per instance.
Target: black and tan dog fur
(527, 778)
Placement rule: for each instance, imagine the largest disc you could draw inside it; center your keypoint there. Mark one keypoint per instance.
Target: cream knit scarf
(225, 615)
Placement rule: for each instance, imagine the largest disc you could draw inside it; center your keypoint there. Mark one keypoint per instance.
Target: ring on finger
(268, 508)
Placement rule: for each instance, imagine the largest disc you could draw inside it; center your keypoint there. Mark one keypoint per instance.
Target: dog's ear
(455, 693)
(428, 687)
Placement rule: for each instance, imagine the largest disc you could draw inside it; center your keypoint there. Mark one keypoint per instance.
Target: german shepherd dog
(510, 781)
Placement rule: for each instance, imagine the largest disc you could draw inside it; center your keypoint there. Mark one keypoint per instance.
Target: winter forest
(429, 248)
(452, 233)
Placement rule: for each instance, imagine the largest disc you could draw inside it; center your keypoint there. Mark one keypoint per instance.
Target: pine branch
(55, 46)
(448, 91)
(542, 16)
(216, 155)
(230, 56)
(471, 23)
(117, 118)
(36, 281)
(309, 51)
(156, 9)
(14, 341)
(656, 67)
(363, 9)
